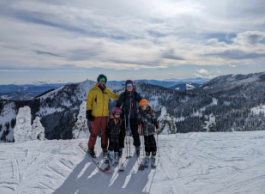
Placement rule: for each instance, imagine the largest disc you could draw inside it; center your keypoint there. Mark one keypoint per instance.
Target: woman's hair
(151, 110)
(115, 120)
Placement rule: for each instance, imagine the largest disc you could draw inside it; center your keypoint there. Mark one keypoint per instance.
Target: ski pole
(126, 135)
(143, 140)
(129, 130)
(157, 142)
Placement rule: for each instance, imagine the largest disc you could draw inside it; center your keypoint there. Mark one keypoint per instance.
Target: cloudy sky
(70, 41)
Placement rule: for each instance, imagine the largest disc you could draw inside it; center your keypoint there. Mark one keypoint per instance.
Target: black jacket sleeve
(139, 119)
(120, 101)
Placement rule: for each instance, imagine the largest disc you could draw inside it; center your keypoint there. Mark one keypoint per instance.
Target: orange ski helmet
(143, 102)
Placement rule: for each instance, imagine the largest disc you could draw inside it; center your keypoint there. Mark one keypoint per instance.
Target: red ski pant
(99, 122)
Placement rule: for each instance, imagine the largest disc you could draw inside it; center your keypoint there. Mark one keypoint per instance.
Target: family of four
(125, 112)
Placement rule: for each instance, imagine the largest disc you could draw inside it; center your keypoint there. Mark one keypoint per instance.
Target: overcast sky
(70, 41)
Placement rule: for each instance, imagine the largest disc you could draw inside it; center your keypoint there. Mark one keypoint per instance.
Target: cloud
(203, 71)
(249, 37)
(128, 35)
(237, 55)
(46, 53)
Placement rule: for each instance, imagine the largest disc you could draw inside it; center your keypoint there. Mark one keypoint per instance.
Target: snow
(195, 163)
(5, 97)
(8, 113)
(23, 130)
(80, 129)
(189, 87)
(167, 123)
(198, 113)
(38, 129)
(48, 110)
(154, 103)
(210, 125)
(214, 102)
(258, 109)
(186, 99)
(177, 88)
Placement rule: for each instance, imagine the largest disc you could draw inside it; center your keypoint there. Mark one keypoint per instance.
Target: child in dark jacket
(113, 133)
(147, 121)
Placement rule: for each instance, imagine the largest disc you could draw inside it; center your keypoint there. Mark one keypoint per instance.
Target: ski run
(191, 163)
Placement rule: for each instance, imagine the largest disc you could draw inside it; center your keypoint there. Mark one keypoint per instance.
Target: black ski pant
(114, 144)
(134, 130)
(150, 143)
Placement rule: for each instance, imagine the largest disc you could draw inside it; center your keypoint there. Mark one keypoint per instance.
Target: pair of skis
(145, 163)
(105, 164)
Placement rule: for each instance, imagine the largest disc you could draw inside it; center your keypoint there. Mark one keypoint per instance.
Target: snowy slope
(193, 163)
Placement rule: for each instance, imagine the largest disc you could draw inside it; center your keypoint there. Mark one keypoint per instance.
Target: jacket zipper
(130, 104)
(146, 125)
(103, 102)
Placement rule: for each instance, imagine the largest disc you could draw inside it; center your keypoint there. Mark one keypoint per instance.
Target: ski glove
(157, 126)
(89, 115)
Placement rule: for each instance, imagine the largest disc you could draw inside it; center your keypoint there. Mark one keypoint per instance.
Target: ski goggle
(102, 79)
(117, 113)
(129, 85)
(144, 106)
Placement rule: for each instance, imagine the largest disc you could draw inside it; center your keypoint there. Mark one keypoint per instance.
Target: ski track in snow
(201, 163)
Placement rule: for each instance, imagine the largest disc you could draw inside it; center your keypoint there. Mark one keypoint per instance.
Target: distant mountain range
(30, 87)
(167, 82)
(19, 95)
(29, 91)
(227, 101)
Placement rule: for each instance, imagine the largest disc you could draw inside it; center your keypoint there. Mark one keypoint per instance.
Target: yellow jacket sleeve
(89, 100)
(113, 95)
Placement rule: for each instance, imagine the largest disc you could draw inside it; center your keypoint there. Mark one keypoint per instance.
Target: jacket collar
(128, 93)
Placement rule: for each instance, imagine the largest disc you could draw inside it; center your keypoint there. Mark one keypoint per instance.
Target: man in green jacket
(98, 113)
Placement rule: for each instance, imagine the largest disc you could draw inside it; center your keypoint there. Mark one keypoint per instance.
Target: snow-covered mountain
(229, 99)
(185, 86)
(26, 92)
(55, 108)
(167, 123)
(168, 83)
(18, 95)
(195, 163)
(38, 87)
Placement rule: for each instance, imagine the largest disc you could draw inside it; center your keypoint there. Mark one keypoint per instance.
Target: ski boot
(91, 152)
(116, 157)
(105, 152)
(146, 160)
(137, 150)
(153, 160)
(120, 152)
(110, 154)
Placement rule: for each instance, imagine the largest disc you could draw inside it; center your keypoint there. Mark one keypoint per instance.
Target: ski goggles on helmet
(144, 106)
(129, 85)
(102, 79)
(116, 113)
